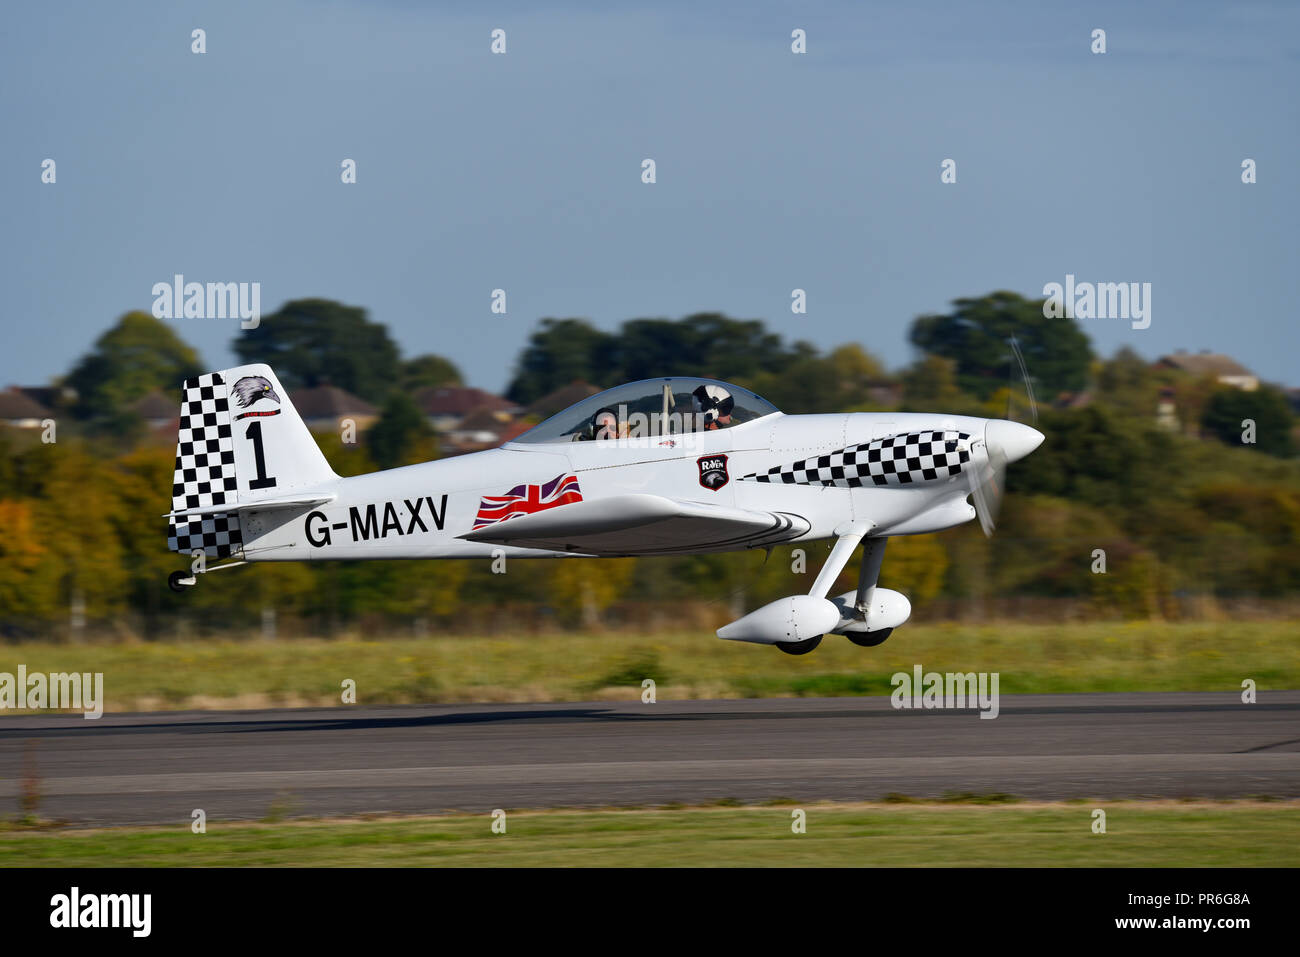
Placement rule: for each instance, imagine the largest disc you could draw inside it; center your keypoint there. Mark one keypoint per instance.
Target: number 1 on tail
(254, 434)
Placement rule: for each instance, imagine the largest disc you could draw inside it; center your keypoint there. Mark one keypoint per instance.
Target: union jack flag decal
(527, 499)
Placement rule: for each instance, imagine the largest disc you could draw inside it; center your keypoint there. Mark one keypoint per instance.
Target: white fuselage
(418, 511)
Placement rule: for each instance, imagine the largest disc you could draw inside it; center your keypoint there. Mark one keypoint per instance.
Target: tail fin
(240, 442)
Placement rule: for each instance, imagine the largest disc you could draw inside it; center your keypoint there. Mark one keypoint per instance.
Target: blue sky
(775, 171)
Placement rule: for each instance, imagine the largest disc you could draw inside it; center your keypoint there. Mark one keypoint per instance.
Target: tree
(976, 334)
(345, 458)
(401, 436)
(1099, 457)
(22, 595)
(136, 356)
(1127, 383)
(706, 344)
(650, 348)
(1266, 407)
(804, 385)
(915, 565)
(930, 385)
(82, 561)
(580, 589)
(558, 352)
(429, 370)
(311, 342)
(855, 370)
(741, 348)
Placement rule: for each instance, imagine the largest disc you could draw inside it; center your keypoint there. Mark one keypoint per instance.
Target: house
(19, 410)
(445, 406)
(325, 408)
(1073, 400)
(158, 411)
(886, 395)
(1222, 368)
(512, 431)
(50, 396)
(482, 428)
(1167, 410)
(561, 399)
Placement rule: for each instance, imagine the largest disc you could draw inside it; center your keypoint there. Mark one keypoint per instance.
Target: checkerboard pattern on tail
(904, 459)
(205, 470)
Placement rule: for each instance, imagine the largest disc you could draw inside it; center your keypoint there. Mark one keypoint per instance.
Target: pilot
(604, 425)
(715, 405)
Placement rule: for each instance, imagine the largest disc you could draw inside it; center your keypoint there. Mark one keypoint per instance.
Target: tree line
(82, 541)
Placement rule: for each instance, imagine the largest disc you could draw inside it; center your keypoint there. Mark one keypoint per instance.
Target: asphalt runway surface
(157, 768)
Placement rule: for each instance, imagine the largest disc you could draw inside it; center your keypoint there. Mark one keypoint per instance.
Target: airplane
(669, 466)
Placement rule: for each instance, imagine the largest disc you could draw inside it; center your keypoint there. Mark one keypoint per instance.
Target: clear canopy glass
(671, 406)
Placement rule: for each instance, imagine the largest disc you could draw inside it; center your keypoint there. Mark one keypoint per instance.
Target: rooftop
(1206, 363)
(562, 398)
(329, 401)
(458, 400)
(155, 405)
(15, 405)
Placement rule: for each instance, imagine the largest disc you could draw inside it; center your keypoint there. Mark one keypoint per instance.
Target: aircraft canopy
(670, 406)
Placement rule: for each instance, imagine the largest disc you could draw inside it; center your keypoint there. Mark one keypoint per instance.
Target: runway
(157, 768)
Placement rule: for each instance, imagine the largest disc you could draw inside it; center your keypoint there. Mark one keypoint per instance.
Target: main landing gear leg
(873, 553)
(849, 537)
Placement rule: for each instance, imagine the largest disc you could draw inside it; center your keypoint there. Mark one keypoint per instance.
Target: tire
(869, 639)
(174, 581)
(800, 647)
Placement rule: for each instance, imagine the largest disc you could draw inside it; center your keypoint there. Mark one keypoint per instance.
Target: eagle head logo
(251, 388)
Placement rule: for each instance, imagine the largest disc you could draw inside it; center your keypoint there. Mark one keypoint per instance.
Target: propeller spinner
(1005, 442)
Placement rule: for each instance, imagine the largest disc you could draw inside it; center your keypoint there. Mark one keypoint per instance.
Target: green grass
(1119, 656)
(955, 833)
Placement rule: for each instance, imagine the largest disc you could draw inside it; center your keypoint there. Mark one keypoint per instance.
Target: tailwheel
(800, 647)
(180, 581)
(869, 639)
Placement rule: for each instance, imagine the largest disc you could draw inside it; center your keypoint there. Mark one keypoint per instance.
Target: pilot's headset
(712, 402)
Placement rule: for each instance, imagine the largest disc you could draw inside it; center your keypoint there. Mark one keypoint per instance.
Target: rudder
(205, 470)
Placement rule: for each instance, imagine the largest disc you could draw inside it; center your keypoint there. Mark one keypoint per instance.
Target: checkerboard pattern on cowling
(205, 470)
(903, 459)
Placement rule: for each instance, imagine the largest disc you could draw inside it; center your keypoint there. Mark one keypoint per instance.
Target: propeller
(1024, 377)
(1004, 441)
(987, 487)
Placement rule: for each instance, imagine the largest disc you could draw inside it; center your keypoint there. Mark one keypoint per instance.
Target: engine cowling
(796, 618)
(889, 609)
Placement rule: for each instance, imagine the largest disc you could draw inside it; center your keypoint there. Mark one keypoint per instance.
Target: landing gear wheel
(176, 581)
(800, 647)
(869, 639)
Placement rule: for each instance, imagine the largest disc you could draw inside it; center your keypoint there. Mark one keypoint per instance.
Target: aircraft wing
(642, 524)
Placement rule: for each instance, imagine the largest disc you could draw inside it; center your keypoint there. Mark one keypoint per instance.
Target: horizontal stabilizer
(287, 501)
